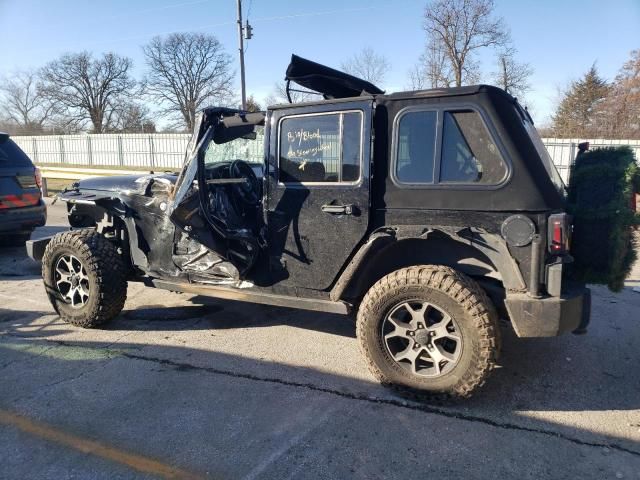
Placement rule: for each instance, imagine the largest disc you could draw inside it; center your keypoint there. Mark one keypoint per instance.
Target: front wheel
(85, 278)
(429, 329)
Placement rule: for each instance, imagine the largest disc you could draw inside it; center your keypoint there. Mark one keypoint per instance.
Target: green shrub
(601, 191)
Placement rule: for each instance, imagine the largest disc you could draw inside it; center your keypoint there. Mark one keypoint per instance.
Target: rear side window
(323, 148)
(446, 147)
(12, 156)
(469, 154)
(416, 148)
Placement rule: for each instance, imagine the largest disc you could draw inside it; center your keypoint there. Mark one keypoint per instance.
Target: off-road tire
(106, 271)
(462, 298)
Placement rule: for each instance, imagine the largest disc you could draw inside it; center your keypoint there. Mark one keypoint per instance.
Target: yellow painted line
(137, 462)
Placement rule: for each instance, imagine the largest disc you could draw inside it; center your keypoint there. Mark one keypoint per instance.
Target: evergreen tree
(576, 116)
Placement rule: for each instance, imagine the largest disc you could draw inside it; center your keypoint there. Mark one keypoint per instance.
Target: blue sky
(560, 39)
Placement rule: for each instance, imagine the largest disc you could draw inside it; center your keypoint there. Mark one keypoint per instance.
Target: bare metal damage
(159, 220)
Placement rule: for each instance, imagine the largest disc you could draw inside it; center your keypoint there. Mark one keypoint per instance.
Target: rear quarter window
(445, 147)
(469, 154)
(11, 155)
(416, 147)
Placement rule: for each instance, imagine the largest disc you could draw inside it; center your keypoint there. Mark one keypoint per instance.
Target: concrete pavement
(183, 386)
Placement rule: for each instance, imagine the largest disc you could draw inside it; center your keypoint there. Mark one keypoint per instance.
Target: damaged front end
(202, 225)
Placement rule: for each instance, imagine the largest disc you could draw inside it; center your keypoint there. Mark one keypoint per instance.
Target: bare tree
(279, 95)
(461, 28)
(23, 103)
(436, 65)
(87, 89)
(618, 115)
(132, 117)
(188, 71)
(511, 75)
(433, 70)
(417, 78)
(368, 65)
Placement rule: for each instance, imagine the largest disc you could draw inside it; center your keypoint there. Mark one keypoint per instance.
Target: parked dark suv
(429, 213)
(21, 206)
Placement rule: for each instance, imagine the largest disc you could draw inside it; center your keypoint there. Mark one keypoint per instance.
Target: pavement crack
(63, 380)
(119, 339)
(24, 360)
(419, 407)
(384, 401)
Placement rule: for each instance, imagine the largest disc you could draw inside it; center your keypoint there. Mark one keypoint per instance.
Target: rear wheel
(429, 329)
(85, 278)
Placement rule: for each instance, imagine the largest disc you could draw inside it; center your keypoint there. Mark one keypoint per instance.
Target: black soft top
(335, 85)
(442, 92)
(327, 81)
(407, 95)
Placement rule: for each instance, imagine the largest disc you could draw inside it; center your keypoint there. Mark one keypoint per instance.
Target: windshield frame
(253, 149)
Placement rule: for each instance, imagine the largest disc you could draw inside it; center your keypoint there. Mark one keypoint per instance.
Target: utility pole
(241, 49)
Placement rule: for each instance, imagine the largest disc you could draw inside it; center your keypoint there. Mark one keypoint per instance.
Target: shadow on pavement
(216, 314)
(229, 415)
(14, 262)
(234, 411)
(534, 374)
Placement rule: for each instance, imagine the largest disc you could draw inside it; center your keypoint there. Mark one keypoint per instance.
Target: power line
(249, 9)
(163, 7)
(313, 14)
(146, 10)
(221, 24)
(258, 19)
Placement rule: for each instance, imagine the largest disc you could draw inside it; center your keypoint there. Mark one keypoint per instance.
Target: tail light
(26, 181)
(38, 177)
(559, 233)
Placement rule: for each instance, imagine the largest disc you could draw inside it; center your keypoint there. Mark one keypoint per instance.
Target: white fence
(160, 150)
(563, 150)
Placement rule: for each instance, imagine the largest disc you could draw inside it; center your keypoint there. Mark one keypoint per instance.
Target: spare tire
(601, 199)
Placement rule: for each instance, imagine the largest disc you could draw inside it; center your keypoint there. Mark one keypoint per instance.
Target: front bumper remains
(36, 248)
(550, 316)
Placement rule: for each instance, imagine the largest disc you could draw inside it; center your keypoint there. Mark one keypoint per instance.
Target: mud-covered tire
(450, 291)
(106, 277)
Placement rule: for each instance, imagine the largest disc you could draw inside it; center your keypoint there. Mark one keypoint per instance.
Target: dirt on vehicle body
(428, 213)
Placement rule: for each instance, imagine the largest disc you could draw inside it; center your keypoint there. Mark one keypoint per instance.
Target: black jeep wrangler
(429, 213)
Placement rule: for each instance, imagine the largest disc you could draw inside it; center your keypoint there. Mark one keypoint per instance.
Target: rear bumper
(24, 219)
(550, 316)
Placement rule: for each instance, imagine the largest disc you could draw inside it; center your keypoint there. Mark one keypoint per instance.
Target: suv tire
(429, 329)
(85, 278)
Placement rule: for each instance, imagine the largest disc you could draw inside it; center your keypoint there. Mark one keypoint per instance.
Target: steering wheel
(247, 192)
